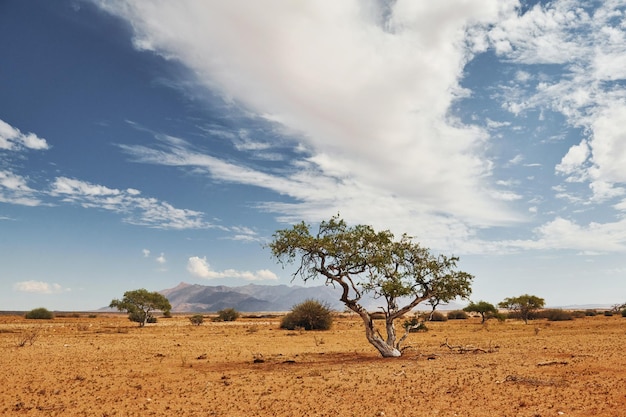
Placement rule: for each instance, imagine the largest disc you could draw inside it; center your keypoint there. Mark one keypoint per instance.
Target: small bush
(308, 315)
(39, 314)
(501, 317)
(227, 314)
(437, 316)
(557, 315)
(414, 325)
(457, 315)
(579, 314)
(197, 319)
(608, 313)
(591, 313)
(151, 319)
(624, 313)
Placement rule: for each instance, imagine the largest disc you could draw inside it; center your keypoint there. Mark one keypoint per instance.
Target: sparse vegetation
(39, 314)
(457, 315)
(437, 316)
(227, 314)
(524, 306)
(483, 308)
(140, 304)
(196, 319)
(557, 314)
(308, 315)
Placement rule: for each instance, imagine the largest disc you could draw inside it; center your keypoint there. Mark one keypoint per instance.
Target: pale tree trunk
(386, 349)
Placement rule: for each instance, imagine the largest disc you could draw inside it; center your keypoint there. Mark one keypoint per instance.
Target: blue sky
(147, 143)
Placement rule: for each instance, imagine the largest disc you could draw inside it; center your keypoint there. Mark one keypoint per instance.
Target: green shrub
(197, 319)
(39, 314)
(414, 325)
(501, 317)
(579, 314)
(308, 315)
(457, 315)
(624, 313)
(557, 315)
(437, 316)
(591, 313)
(608, 313)
(227, 314)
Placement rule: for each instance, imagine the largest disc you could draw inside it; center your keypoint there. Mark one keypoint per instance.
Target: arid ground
(107, 366)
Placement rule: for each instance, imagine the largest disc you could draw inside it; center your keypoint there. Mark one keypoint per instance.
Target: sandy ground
(106, 366)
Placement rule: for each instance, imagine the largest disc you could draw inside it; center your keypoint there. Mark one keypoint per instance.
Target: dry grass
(106, 366)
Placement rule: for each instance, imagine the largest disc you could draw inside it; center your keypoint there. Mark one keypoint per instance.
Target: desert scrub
(457, 315)
(39, 314)
(437, 316)
(557, 315)
(227, 314)
(308, 315)
(197, 319)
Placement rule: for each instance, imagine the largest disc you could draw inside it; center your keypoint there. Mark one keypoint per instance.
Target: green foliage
(359, 260)
(139, 304)
(197, 319)
(483, 308)
(591, 313)
(457, 315)
(525, 305)
(413, 325)
(624, 313)
(308, 315)
(227, 314)
(39, 314)
(608, 313)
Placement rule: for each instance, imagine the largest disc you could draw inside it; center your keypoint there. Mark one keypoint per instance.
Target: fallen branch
(549, 363)
(468, 348)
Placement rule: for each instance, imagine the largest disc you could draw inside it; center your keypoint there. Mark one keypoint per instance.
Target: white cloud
(199, 267)
(12, 139)
(161, 258)
(39, 287)
(137, 210)
(15, 190)
(146, 253)
(370, 97)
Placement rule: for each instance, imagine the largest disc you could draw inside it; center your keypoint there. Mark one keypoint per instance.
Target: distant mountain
(248, 298)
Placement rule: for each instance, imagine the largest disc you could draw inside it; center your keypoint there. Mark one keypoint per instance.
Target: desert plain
(105, 365)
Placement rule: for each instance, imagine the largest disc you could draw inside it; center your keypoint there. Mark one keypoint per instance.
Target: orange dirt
(106, 366)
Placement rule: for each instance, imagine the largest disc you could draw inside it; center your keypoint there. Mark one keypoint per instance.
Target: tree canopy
(361, 261)
(481, 307)
(140, 304)
(525, 305)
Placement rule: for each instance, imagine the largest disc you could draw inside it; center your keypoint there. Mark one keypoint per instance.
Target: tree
(139, 304)
(481, 307)
(197, 319)
(525, 305)
(362, 261)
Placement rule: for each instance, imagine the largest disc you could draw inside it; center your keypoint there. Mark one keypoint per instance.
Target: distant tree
(525, 305)
(481, 307)
(39, 314)
(362, 261)
(197, 319)
(308, 315)
(228, 314)
(139, 304)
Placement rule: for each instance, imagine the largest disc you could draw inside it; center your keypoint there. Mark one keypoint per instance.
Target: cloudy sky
(147, 143)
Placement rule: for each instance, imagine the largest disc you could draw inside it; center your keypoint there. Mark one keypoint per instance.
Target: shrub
(39, 314)
(501, 317)
(579, 314)
(437, 316)
(308, 315)
(414, 325)
(227, 314)
(624, 313)
(557, 315)
(457, 315)
(591, 313)
(608, 313)
(197, 319)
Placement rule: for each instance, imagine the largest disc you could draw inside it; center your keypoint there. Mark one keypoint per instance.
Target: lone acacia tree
(362, 261)
(525, 305)
(481, 307)
(140, 304)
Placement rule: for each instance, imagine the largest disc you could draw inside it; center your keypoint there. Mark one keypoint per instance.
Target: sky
(143, 144)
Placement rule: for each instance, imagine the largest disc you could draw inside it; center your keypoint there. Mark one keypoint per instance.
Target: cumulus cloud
(161, 258)
(39, 287)
(13, 140)
(146, 253)
(199, 267)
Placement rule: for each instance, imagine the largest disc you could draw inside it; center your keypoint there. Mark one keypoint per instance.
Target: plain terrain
(107, 366)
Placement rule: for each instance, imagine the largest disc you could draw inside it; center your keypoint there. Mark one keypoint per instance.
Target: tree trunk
(386, 350)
